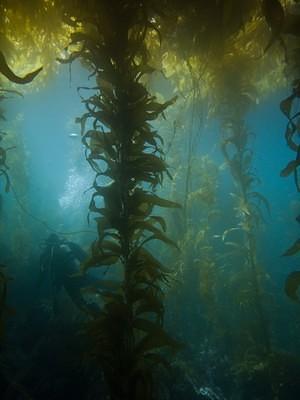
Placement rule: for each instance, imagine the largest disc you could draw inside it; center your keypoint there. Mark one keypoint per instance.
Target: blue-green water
(209, 305)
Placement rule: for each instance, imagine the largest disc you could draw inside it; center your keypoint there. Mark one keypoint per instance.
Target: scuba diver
(60, 260)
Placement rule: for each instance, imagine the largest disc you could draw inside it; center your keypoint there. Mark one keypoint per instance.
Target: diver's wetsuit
(61, 261)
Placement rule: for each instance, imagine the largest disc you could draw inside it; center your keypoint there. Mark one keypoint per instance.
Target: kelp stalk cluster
(126, 154)
(238, 155)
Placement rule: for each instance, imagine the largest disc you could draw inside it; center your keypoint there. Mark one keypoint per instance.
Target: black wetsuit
(60, 261)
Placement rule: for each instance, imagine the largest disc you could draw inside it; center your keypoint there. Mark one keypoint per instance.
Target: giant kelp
(11, 76)
(228, 75)
(240, 45)
(231, 93)
(289, 108)
(236, 148)
(196, 268)
(127, 157)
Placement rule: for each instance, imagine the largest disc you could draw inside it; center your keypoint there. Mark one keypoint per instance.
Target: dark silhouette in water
(59, 263)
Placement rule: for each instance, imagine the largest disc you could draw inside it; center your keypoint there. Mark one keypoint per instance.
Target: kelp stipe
(126, 155)
(238, 155)
(11, 76)
(229, 73)
(290, 108)
(196, 266)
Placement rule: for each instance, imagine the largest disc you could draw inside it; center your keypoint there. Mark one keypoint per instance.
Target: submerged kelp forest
(149, 199)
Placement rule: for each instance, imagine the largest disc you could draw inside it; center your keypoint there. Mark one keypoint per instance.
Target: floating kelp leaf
(160, 220)
(149, 136)
(100, 260)
(82, 121)
(252, 97)
(286, 105)
(147, 163)
(12, 92)
(227, 231)
(257, 214)
(149, 307)
(237, 249)
(110, 245)
(292, 165)
(100, 143)
(10, 75)
(7, 181)
(262, 199)
(149, 301)
(111, 195)
(157, 234)
(142, 202)
(233, 244)
(246, 156)
(102, 284)
(148, 294)
(105, 255)
(155, 340)
(147, 269)
(105, 86)
(71, 58)
(296, 177)
(102, 223)
(295, 248)
(243, 208)
(158, 108)
(2, 157)
(158, 201)
(143, 255)
(292, 284)
(289, 134)
(144, 69)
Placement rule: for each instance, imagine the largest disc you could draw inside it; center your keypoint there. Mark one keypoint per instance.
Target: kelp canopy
(199, 35)
(219, 58)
